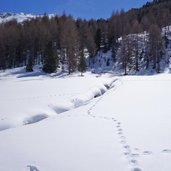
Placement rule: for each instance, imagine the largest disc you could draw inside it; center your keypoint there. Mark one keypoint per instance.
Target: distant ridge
(19, 17)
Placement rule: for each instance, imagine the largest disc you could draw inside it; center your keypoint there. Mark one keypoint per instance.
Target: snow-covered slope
(19, 17)
(95, 122)
(107, 61)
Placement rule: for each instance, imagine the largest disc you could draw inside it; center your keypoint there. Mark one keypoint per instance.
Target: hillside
(61, 41)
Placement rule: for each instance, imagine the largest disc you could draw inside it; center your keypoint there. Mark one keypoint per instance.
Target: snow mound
(62, 107)
(48, 97)
(83, 98)
(35, 119)
(94, 92)
(6, 124)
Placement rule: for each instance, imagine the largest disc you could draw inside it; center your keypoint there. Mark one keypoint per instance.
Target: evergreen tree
(115, 46)
(29, 66)
(156, 46)
(126, 53)
(98, 38)
(69, 42)
(82, 64)
(50, 58)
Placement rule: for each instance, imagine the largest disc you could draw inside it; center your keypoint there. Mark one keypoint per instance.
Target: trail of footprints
(127, 152)
(130, 154)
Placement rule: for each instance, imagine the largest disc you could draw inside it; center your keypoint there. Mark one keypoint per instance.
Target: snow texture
(95, 122)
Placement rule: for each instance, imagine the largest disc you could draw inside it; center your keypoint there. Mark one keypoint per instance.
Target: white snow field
(90, 123)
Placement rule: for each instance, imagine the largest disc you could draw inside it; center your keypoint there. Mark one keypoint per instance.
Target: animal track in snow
(32, 168)
(126, 149)
(120, 133)
(136, 169)
(119, 130)
(168, 151)
(126, 146)
(127, 153)
(133, 162)
(147, 152)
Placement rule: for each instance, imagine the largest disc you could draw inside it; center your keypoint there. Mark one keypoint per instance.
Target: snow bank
(34, 119)
(83, 98)
(35, 97)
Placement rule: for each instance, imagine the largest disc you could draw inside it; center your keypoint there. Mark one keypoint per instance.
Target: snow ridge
(62, 107)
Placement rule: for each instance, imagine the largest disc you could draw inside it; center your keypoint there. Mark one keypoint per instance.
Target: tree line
(63, 40)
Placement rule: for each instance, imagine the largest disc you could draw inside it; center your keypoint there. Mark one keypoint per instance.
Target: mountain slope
(19, 17)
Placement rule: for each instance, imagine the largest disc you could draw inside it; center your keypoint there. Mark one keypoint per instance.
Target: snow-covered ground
(90, 123)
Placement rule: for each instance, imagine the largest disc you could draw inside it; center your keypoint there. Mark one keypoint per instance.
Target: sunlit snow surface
(90, 123)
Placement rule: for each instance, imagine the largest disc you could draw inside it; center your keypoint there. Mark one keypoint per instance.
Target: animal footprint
(133, 162)
(120, 129)
(126, 146)
(147, 152)
(120, 132)
(168, 151)
(33, 168)
(136, 169)
(127, 154)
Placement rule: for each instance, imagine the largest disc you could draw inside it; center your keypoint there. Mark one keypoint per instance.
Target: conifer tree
(82, 64)
(29, 66)
(98, 39)
(156, 46)
(50, 59)
(126, 53)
